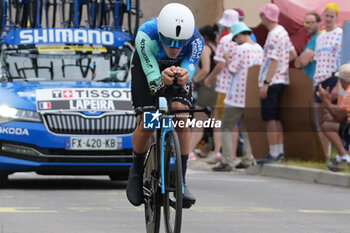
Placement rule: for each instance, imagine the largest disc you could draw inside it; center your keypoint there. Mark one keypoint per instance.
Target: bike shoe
(134, 188)
(186, 203)
(188, 199)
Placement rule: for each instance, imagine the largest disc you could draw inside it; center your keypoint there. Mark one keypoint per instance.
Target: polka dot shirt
(245, 56)
(225, 46)
(327, 54)
(277, 46)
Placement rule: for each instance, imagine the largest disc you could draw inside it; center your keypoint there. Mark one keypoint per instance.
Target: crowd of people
(222, 81)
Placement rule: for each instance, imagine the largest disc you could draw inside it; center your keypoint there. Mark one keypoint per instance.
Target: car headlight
(10, 114)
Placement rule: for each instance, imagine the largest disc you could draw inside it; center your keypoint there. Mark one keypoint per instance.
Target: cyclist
(166, 46)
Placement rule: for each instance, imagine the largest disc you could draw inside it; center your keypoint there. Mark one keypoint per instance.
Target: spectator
(273, 77)
(225, 23)
(240, 13)
(336, 124)
(241, 19)
(247, 54)
(222, 76)
(306, 60)
(206, 96)
(327, 56)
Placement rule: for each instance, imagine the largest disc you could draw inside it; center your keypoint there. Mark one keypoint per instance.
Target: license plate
(95, 143)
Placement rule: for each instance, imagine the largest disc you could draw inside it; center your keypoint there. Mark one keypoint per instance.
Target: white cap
(229, 18)
(344, 72)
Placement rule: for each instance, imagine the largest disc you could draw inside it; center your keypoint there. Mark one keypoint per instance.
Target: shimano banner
(66, 36)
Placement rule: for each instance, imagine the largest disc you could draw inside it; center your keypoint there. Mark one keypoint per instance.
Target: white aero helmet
(175, 25)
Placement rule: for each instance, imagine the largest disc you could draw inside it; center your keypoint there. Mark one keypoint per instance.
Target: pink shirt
(226, 45)
(327, 54)
(245, 56)
(277, 46)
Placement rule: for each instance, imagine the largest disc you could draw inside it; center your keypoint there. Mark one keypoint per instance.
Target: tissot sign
(80, 99)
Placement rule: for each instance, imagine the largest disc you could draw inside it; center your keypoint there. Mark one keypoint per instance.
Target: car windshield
(65, 63)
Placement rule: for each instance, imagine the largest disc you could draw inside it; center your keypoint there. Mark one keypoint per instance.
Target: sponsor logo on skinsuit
(144, 55)
(197, 47)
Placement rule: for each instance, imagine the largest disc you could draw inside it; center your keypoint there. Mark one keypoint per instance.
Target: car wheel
(119, 176)
(3, 180)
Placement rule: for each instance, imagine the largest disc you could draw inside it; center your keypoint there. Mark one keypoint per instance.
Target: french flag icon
(45, 105)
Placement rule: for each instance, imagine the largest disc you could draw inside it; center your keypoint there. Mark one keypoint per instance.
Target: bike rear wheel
(3, 14)
(21, 13)
(50, 9)
(95, 13)
(66, 9)
(172, 198)
(134, 14)
(151, 192)
(34, 13)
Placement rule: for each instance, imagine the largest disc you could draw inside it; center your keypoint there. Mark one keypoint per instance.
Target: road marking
(197, 209)
(236, 210)
(261, 210)
(106, 209)
(112, 193)
(325, 211)
(229, 179)
(25, 210)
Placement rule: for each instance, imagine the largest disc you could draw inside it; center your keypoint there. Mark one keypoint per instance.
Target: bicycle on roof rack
(103, 14)
(26, 13)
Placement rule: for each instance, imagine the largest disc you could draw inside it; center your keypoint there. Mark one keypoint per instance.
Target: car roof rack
(68, 22)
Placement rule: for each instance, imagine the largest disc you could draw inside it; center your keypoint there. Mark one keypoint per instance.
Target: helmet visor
(171, 43)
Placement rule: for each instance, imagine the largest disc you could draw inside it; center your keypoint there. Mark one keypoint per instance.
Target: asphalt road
(226, 202)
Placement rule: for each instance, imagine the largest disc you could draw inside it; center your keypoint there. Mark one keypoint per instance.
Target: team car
(65, 102)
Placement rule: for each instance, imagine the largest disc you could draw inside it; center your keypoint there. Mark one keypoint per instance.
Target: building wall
(205, 11)
(250, 9)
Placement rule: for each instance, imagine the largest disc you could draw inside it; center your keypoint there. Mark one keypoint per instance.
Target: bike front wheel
(134, 13)
(173, 183)
(151, 192)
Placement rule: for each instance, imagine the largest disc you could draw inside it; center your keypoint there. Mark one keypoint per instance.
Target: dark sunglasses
(171, 43)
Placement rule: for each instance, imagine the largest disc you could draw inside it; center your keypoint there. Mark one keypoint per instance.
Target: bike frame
(38, 15)
(161, 134)
(159, 144)
(164, 132)
(76, 14)
(7, 8)
(161, 166)
(117, 5)
(3, 13)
